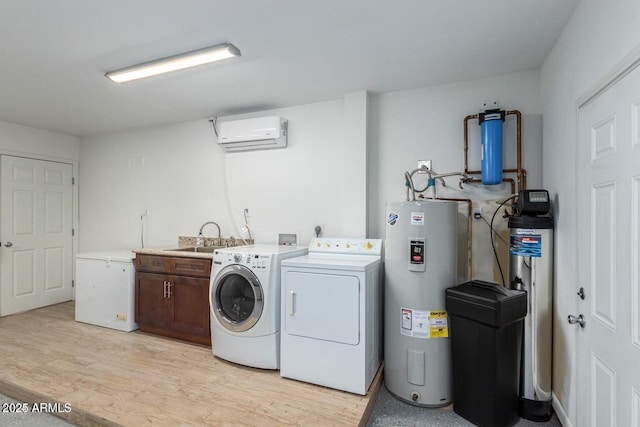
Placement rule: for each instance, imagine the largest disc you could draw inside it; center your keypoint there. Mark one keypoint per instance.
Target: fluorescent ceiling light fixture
(174, 63)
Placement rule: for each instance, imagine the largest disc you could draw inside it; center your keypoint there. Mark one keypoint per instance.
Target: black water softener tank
(486, 332)
(531, 270)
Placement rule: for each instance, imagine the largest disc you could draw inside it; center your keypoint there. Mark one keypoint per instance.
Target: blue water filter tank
(491, 138)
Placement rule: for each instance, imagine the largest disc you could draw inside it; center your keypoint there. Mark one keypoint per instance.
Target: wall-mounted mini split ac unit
(253, 134)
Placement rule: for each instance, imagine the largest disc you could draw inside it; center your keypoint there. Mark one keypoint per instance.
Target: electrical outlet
(476, 214)
(489, 105)
(424, 164)
(287, 239)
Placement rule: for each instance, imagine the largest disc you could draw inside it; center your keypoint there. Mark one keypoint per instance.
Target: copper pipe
(503, 170)
(521, 173)
(466, 141)
(518, 115)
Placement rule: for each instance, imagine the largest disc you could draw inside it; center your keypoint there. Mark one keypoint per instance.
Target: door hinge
(73, 283)
(73, 232)
(73, 181)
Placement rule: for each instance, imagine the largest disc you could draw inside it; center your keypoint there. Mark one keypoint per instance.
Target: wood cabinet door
(172, 297)
(151, 301)
(189, 309)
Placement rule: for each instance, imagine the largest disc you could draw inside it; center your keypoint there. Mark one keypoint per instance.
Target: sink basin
(203, 249)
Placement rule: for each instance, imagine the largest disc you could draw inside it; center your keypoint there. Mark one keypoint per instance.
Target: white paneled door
(35, 233)
(608, 345)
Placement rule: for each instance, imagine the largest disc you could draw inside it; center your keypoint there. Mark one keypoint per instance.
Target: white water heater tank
(420, 263)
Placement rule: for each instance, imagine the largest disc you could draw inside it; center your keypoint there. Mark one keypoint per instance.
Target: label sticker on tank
(392, 218)
(406, 318)
(525, 231)
(417, 218)
(438, 325)
(424, 324)
(526, 245)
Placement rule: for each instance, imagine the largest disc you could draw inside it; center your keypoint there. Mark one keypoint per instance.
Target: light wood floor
(133, 379)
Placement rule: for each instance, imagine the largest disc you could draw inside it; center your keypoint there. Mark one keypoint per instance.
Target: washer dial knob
(237, 257)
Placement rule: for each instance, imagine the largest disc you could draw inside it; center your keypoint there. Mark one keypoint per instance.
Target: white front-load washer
(244, 298)
(331, 332)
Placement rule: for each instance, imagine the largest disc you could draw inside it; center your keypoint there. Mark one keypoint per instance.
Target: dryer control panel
(346, 246)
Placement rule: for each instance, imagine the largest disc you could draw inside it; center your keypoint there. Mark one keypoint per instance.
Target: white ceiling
(53, 54)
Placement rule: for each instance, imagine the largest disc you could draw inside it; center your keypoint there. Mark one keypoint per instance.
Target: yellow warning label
(438, 325)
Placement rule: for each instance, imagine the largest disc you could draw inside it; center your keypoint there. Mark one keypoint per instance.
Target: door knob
(579, 320)
(8, 244)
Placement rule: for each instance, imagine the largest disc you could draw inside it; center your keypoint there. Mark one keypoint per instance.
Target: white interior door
(608, 372)
(36, 233)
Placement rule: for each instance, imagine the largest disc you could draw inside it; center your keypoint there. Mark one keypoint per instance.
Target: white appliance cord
(225, 188)
(142, 230)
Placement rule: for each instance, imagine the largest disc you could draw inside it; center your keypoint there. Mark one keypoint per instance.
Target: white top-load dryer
(331, 332)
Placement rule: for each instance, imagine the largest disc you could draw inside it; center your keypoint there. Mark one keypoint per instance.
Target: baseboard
(560, 412)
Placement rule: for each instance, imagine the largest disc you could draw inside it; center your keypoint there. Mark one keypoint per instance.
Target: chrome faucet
(200, 238)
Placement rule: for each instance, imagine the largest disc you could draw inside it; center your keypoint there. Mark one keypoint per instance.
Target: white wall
(339, 153)
(345, 159)
(21, 140)
(181, 175)
(598, 36)
(411, 125)
(169, 170)
(427, 124)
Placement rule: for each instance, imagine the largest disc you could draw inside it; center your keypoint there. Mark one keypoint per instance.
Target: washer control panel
(253, 261)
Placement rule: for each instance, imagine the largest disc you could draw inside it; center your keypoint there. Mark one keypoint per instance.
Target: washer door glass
(238, 298)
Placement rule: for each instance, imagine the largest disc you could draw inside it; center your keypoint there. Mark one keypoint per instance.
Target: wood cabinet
(172, 296)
